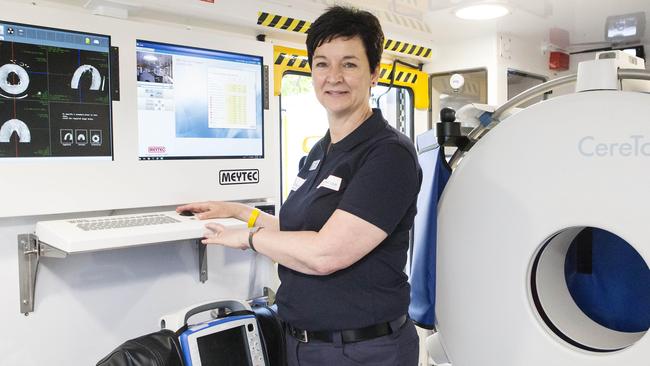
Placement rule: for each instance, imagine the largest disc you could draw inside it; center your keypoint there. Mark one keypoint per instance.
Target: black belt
(349, 335)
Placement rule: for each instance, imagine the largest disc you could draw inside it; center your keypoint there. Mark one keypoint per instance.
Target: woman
(342, 236)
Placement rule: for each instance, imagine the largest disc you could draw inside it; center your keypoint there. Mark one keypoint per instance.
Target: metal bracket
(203, 261)
(29, 252)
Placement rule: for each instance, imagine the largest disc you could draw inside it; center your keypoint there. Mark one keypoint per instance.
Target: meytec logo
(239, 176)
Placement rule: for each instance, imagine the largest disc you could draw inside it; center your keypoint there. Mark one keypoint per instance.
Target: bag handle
(179, 319)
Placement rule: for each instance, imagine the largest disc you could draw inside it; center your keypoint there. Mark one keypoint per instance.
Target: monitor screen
(54, 94)
(625, 27)
(195, 103)
(225, 348)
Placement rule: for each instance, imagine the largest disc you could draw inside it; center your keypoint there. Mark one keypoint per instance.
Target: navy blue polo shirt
(373, 173)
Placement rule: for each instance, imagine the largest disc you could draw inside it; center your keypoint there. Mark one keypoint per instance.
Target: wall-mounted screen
(196, 103)
(626, 27)
(54, 94)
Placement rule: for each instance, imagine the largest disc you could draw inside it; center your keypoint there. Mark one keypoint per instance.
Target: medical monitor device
(230, 341)
(624, 28)
(55, 100)
(198, 103)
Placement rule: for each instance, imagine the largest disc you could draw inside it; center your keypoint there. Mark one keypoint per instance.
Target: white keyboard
(110, 232)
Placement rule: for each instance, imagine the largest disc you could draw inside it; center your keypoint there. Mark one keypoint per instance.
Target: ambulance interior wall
(477, 53)
(497, 53)
(89, 303)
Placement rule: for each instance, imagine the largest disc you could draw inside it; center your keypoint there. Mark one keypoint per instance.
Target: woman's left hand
(232, 238)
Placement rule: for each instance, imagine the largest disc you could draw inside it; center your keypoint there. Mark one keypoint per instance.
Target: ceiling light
(482, 11)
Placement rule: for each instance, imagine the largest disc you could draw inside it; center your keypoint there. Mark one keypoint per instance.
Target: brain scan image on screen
(14, 80)
(97, 81)
(15, 126)
(54, 83)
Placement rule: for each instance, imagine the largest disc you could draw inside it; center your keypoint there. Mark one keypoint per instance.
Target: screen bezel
(110, 97)
(233, 157)
(189, 343)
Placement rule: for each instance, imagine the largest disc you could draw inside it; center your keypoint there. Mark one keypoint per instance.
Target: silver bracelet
(252, 232)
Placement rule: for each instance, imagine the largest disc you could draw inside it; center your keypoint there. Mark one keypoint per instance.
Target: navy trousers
(400, 348)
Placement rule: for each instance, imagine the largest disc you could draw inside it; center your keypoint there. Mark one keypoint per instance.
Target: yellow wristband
(253, 217)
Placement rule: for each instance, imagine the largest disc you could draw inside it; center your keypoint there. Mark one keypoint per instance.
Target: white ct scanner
(527, 187)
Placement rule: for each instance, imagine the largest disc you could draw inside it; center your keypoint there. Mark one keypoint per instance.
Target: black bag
(273, 334)
(156, 349)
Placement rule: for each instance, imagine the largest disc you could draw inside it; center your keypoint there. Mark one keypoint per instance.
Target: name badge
(314, 165)
(297, 183)
(332, 182)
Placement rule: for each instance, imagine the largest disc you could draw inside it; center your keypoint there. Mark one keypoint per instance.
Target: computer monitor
(197, 103)
(55, 100)
(230, 341)
(625, 27)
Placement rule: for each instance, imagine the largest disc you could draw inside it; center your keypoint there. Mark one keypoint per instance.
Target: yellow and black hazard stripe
(407, 48)
(301, 63)
(302, 26)
(406, 21)
(281, 22)
(288, 59)
(406, 77)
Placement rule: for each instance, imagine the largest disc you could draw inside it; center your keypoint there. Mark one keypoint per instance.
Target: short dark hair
(347, 22)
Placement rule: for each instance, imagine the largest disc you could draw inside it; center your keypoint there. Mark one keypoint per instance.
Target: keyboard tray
(110, 232)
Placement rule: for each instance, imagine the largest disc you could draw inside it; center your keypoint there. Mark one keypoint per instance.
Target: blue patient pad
(435, 174)
(609, 281)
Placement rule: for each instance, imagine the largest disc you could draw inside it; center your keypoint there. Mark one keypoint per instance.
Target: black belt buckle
(300, 335)
(303, 337)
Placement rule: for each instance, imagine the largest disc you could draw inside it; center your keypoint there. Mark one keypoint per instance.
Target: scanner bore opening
(573, 321)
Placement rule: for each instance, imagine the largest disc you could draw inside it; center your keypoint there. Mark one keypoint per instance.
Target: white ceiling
(583, 19)
(432, 20)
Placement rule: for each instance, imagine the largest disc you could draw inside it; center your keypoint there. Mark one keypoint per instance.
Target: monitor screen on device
(230, 341)
(196, 103)
(55, 100)
(226, 348)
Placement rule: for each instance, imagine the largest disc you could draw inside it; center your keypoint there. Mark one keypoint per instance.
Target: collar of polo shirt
(366, 130)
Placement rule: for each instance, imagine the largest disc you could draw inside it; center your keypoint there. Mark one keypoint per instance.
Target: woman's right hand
(211, 209)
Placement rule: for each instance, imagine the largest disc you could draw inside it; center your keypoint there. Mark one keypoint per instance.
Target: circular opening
(13, 78)
(590, 288)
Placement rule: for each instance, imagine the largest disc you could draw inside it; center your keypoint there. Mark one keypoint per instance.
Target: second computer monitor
(196, 103)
